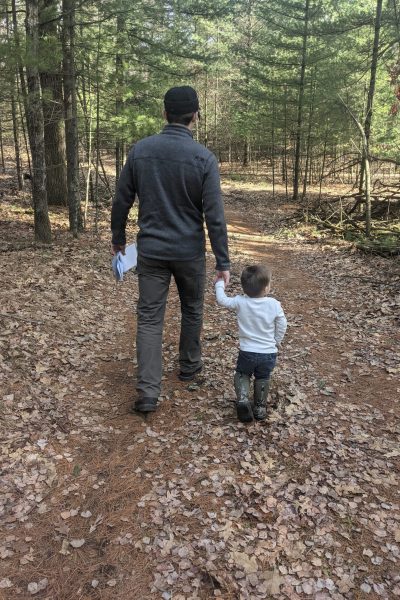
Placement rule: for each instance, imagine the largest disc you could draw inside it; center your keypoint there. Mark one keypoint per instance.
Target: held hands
(222, 275)
(115, 248)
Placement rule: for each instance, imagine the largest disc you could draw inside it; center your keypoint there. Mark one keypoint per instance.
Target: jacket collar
(176, 129)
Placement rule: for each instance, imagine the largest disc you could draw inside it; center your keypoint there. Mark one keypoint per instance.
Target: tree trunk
(34, 119)
(119, 80)
(246, 101)
(16, 139)
(216, 140)
(206, 112)
(54, 137)
(308, 147)
(273, 148)
(21, 83)
(71, 129)
(3, 165)
(54, 133)
(365, 160)
(296, 178)
(21, 114)
(285, 168)
(246, 152)
(216, 101)
(323, 165)
(19, 59)
(96, 185)
(14, 117)
(86, 104)
(371, 90)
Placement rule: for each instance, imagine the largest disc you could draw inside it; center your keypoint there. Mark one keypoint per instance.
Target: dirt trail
(189, 503)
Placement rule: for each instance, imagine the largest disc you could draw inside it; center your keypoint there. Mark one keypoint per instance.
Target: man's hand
(115, 248)
(224, 275)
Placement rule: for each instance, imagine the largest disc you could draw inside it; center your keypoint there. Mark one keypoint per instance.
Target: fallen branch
(340, 227)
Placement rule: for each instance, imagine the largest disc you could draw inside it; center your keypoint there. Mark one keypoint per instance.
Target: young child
(262, 325)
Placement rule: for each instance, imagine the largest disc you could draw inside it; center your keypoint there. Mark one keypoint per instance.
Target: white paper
(129, 259)
(121, 263)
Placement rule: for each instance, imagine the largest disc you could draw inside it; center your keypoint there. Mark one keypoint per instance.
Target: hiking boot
(261, 387)
(242, 389)
(144, 405)
(189, 376)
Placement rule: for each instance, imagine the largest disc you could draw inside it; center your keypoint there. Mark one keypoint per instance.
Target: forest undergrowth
(189, 503)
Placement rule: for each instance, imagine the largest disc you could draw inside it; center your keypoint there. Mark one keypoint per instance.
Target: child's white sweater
(262, 323)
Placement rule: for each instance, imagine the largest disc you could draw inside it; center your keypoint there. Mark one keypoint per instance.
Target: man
(178, 186)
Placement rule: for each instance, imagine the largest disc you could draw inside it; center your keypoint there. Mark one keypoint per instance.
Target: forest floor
(98, 503)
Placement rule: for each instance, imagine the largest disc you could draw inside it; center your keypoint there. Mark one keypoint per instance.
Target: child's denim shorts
(254, 363)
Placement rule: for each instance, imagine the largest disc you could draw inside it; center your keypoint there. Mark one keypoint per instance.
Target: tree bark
(14, 117)
(205, 142)
(307, 170)
(119, 80)
(296, 178)
(16, 138)
(54, 138)
(52, 98)
(371, 90)
(216, 100)
(246, 152)
(70, 112)
(323, 164)
(3, 165)
(98, 158)
(21, 82)
(273, 148)
(19, 59)
(285, 167)
(34, 119)
(22, 117)
(86, 104)
(365, 160)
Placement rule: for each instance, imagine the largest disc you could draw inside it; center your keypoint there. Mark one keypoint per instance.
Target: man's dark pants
(154, 281)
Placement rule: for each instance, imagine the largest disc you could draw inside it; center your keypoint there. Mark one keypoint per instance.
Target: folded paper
(121, 263)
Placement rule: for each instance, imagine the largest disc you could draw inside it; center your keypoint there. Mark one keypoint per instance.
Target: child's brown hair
(255, 279)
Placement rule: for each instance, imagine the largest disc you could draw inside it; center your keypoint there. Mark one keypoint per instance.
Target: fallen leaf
(64, 547)
(244, 561)
(273, 581)
(34, 588)
(77, 543)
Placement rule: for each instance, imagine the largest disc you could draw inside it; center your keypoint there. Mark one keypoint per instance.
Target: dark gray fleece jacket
(178, 186)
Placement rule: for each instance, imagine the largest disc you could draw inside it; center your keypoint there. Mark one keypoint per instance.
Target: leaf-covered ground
(98, 503)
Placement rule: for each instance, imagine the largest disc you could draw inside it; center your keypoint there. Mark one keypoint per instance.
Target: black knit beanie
(181, 100)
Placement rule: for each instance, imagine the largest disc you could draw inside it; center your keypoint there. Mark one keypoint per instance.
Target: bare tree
(365, 160)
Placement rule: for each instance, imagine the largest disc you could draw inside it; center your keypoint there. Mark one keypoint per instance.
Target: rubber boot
(261, 388)
(242, 389)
